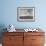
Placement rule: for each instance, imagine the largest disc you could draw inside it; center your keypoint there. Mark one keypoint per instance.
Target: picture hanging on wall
(26, 14)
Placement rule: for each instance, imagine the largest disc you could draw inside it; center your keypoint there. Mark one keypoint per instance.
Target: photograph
(26, 14)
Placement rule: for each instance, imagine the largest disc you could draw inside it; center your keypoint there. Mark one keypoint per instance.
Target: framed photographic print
(26, 14)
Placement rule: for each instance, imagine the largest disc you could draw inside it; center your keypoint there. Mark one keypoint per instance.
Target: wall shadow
(2, 29)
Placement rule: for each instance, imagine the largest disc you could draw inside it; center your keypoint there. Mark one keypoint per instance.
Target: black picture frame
(26, 14)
